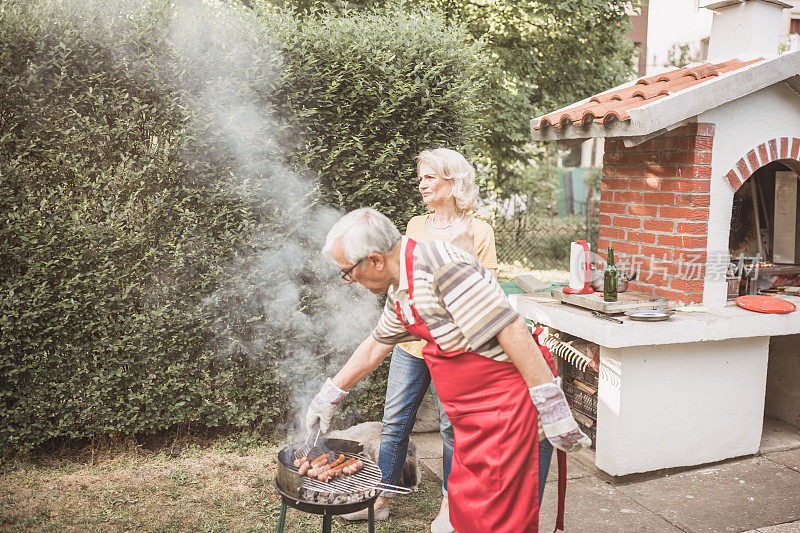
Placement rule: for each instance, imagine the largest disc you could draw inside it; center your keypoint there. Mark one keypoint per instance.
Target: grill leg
(371, 515)
(326, 523)
(282, 518)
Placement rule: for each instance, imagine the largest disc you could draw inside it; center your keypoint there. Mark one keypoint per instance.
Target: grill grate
(369, 477)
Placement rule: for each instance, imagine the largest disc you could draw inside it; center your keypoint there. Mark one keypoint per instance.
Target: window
(794, 26)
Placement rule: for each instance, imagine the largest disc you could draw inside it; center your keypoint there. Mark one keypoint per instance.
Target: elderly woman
(447, 186)
(493, 381)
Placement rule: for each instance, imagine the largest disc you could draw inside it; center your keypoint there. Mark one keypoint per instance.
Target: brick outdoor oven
(676, 200)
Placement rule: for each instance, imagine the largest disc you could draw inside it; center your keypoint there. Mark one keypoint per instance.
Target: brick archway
(783, 149)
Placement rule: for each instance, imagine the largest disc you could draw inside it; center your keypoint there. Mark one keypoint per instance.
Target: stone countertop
(729, 322)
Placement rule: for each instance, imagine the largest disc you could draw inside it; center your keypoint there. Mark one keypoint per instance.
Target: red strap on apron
(561, 455)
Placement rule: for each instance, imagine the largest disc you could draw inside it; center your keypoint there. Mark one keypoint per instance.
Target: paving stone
(789, 458)
(594, 506)
(792, 527)
(734, 496)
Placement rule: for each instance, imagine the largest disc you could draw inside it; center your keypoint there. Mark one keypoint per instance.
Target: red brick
(784, 150)
(688, 285)
(653, 278)
(773, 150)
(695, 243)
(764, 153)
(644, 184)
(704, 143)
(606, 196)
(672, 268)
(692, 200)
(685, 213)
(602, 243)
(693, 171)
(628, 196)
(675, 296)
(604, 220)
(658, 225)
(640, 287)
(658, 171)
(693, 228)
(689, 157)
(795, 148)
(741, 166)
(610, 207)
(629, 171)
(659, 198)
(639, 158)
(657, 252)
(686, 185)
(614, 183)
(624, 247)
(690, 257)
(641, 237)
(752, 158)
(733, 179)
(612, 233)
(628, 222)
(643, 210)
(705, 129)
(670, 240)
(608, 170)
(662, 143)
(610, 145)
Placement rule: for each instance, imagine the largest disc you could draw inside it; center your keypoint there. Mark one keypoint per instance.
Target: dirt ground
(211, 487)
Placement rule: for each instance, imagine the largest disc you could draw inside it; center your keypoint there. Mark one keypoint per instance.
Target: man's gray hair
(362, 232)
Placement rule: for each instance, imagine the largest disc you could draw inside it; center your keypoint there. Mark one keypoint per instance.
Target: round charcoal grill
(343, 494)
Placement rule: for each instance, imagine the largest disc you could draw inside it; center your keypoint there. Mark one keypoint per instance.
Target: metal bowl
(650, 315)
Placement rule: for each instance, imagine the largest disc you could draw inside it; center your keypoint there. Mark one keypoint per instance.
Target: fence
(541, 247)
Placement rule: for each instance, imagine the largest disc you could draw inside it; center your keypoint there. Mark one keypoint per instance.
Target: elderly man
(491, 377)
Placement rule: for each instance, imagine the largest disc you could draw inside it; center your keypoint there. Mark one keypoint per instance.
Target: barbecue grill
(344, 494)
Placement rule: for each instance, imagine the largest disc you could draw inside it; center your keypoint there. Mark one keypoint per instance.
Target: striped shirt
(458, 299)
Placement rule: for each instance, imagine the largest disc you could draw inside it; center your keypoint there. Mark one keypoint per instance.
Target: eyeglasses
(345, 272)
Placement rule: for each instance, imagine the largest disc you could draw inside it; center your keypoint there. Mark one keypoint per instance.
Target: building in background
(671, 33)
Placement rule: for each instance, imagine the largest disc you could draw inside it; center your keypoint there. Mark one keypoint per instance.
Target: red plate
(765, 304)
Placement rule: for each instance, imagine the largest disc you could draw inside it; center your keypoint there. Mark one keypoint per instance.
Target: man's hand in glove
(320, 412)
(557, 421)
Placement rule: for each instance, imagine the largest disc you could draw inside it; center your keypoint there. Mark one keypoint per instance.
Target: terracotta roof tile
(614, 105)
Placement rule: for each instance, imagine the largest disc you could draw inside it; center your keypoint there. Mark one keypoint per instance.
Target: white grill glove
(320, 412)
(558, 423)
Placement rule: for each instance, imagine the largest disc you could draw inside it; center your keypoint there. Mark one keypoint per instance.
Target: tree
(545, 55)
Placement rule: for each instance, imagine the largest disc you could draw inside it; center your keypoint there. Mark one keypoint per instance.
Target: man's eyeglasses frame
(345, 272)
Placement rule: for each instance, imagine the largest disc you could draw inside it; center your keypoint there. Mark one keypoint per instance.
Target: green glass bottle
(610, 278)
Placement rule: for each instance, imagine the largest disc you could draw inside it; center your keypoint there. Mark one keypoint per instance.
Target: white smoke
(231, 61)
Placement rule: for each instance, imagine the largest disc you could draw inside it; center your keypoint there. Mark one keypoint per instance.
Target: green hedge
(158, 263)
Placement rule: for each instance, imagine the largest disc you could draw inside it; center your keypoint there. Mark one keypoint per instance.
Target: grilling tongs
(303, 450)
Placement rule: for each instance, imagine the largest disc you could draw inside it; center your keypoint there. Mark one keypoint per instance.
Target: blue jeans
(408, 381)
(405, 389)
(545, 455)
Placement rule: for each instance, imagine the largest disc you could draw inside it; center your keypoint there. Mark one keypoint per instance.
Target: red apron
(494, 480)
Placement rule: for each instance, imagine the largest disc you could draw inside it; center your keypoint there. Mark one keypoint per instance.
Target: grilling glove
(323, 405)
(558, 423)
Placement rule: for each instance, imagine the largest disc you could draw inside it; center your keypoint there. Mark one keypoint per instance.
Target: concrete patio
(756, 493)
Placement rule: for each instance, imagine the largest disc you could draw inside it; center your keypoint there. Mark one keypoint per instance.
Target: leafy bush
(369, 92)
(157, 262)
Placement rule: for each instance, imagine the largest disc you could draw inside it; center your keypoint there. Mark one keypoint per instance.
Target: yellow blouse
(484, 245)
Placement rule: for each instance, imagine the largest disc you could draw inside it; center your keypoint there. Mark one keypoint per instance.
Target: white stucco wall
(672, 22)
(740, 126)
(680, 405)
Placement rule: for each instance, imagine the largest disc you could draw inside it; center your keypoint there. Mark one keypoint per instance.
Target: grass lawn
(213, 487)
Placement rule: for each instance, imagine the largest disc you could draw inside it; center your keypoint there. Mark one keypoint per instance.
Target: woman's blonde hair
(452, 166)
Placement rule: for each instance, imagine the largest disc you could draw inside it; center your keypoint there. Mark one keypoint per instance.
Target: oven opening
(764, 240)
